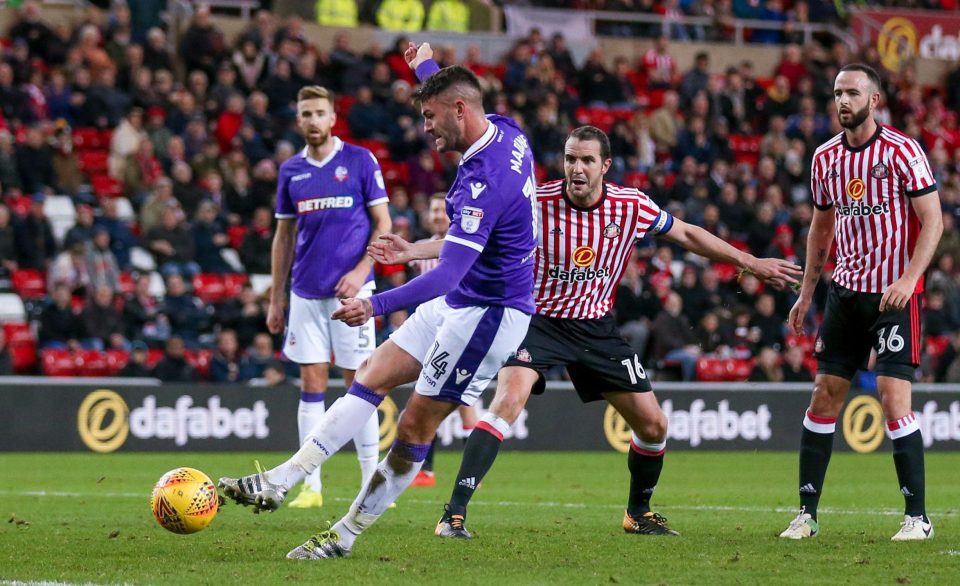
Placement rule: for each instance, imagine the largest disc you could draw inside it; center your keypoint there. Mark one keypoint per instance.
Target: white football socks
(367, 442)
(308, 414)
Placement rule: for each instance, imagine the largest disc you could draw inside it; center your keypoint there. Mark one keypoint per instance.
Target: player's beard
(856, 118)
(318, 140)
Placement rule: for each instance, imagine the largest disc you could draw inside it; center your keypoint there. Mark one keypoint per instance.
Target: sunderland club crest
(612, 230)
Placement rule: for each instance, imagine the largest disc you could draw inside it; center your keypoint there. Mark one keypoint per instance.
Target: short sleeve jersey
(329, 200)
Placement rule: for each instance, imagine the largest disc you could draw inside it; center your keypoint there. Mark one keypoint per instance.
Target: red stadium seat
(209, 287)
(24, 358)
(93, 162)
(154, 356)
(106, 186)
(711, 370)
(377, 147)
(29, 283)
(199, 360)
(804, 342)
(18, 333)
(236, 234)
(233, 283)
(19, 205)
(92, 363)
(116, 360)
(936, 345)
(635, 179)
(127, 285)
(394, 173)
(88, 139)
(726, 272)
(58, 363)
(739, 369)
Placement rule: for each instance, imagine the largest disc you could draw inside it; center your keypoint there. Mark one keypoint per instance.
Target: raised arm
(775, 271)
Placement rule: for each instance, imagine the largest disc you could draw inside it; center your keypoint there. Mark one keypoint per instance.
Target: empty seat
(11, 308)
(29, 283)
(92, 363)
(58, 362)
(209, 287)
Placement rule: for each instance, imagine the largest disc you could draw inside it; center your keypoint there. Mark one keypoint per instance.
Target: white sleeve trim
(377, 202)
(280, 216)
(464, 242)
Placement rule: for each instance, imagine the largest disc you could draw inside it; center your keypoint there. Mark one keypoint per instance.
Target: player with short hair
(587, 231)
(331, 203)
(874, 193)
(479, 308)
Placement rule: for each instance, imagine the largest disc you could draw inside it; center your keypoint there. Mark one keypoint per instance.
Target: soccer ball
(184, 501)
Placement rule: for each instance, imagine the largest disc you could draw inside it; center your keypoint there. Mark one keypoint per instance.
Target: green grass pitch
(540, 518)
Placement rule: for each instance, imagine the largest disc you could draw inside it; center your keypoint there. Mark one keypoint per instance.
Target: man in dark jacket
(173, 367)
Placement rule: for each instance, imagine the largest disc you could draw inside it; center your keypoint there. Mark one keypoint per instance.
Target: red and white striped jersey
(869, 188)
(582, 253)
(661, 63)
(421, 266)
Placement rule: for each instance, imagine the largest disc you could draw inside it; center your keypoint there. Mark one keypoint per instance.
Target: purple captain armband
(426, 69)
(455, 260)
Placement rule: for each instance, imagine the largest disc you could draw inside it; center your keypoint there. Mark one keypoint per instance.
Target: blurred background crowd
(138, 176)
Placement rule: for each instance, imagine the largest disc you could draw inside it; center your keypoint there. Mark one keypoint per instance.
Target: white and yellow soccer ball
(184, 501)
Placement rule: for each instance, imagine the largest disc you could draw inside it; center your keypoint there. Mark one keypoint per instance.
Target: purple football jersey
(329, 199)
(491, 209)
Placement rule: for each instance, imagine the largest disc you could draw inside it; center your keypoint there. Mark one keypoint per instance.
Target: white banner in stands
(572, 25)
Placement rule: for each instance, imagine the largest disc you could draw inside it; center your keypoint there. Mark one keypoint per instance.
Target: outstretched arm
(455, 261)
(775, 271)
(391, 249)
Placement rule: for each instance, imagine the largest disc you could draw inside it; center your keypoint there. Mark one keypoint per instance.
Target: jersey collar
(870, 141)
(337, 147)
(483, 142)
(566, 198)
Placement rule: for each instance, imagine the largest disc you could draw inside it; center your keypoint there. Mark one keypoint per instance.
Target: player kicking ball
(587, 231)
(479, 309)
(874, 192)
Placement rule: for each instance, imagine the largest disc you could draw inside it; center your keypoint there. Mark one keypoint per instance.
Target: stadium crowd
(168, 183)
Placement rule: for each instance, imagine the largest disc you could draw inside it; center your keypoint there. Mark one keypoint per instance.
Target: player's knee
(413, 428)
(508, 407)
(655, 430)
(827, 398)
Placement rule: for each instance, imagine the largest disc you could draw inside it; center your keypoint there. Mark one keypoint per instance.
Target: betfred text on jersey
(576, 275)
(324, 203)
(862, 209)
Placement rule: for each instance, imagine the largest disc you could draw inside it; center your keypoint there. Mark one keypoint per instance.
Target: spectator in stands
(937, 320)
(9, 169)
(35, 163)
(665, 123)
(35, 242)
(673, 337)
(695, 80)
(172, 245)
(102, 321)
(173, 367)
(136, 366)
(400, 15)
(260, 356)
(202, 46)
(141, 313)
(274, 376)
(711, 337)
(160, 199)
(597, 86)
(118, 230)
(82, 230)
(69, 269)
(60, 323)
(8, 244)
(338, 13)
(13, 101)
(449, 15)
(184, 311)
(281, 88)
(368, 119)
(31, 29)
(767, 369)
(225, 363)
(244, 314)
(140, 171)
(766, 320)
(101, 263)
(771, 11)
(635, 306)
(125, 141)
(794, 370)
(187, 193)
(66, 164)
(210, 239)
(256, 246)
